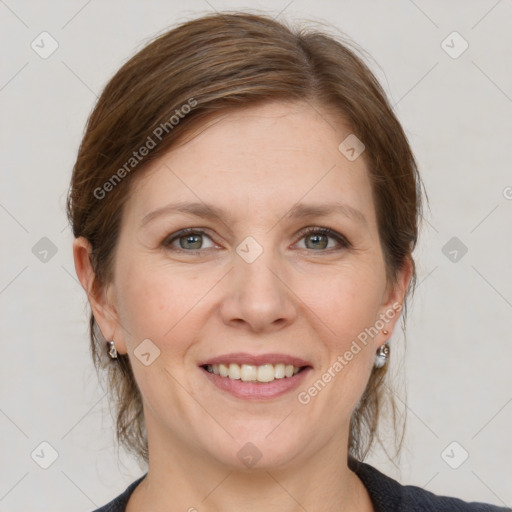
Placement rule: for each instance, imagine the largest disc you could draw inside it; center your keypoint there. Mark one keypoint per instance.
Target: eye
(318, 239)
(188, 240)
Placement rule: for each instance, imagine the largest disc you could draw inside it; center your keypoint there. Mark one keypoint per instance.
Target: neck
(191, 480)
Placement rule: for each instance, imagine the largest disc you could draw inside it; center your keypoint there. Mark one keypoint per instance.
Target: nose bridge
(257, 295)
(258, 275)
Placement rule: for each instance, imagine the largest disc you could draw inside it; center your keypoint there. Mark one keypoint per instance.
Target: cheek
(150, 301)
(346, 301)
(157, 301)
(346, 307)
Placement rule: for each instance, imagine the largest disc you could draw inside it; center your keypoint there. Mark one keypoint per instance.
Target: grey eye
(317, 241)
(190, 241)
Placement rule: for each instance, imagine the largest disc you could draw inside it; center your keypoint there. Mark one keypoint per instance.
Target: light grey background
(457, 113)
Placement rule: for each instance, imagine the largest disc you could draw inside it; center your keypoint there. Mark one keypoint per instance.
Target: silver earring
(381, 356)
(111, 349)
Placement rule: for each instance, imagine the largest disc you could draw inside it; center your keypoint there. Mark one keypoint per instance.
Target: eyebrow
(298, 211)
(301, 210)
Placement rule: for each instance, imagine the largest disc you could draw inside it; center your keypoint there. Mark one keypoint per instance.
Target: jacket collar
(385, 493)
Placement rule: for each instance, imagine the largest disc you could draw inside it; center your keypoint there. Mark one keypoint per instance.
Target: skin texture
(296, 298)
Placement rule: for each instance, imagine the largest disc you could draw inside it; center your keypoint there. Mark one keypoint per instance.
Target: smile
(255, 376)
(252, 373)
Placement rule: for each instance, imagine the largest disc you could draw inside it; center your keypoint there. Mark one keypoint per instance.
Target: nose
(258, 296)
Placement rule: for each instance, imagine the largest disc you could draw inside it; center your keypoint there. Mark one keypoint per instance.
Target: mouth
(256, 377)
(254, 373)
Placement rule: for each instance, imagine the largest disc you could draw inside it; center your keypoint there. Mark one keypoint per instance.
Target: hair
(215, 64)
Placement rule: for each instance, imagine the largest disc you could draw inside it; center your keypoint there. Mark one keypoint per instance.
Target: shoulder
(389, 495)
(119, 504)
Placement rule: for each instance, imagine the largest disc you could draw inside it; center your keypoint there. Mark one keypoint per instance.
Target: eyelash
(345, 244)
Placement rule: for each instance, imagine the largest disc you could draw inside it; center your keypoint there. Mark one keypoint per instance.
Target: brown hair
(213, 64)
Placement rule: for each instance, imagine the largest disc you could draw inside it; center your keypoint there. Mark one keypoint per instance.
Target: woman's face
(250, 286)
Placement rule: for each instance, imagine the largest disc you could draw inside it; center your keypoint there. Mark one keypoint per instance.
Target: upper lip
(256, 360)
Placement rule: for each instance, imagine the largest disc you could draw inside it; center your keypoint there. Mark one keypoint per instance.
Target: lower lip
(257, 390)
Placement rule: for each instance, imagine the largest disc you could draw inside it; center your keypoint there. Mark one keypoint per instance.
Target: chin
(261, 449)
(250, 457)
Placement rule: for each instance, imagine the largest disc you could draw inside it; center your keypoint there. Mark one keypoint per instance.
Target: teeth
(279, 371)
(266, 373)
(233, 372)
(252, 373)
(248, 372)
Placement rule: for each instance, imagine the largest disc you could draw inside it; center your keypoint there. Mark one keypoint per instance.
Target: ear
(394, 297)
(100, 296)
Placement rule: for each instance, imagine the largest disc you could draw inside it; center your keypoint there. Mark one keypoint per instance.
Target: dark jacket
(386, 494)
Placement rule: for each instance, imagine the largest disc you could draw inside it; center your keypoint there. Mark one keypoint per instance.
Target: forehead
(257, 159)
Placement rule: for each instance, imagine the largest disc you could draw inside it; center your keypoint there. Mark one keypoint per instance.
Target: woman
(245, 206)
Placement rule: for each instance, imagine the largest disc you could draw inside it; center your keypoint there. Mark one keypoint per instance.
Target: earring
(111, 349)
(381, 356)
(385, 332)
